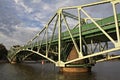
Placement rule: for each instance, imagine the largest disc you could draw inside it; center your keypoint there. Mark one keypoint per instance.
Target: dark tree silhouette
(3, 52)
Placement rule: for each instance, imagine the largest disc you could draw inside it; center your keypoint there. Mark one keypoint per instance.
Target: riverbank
(4, 61)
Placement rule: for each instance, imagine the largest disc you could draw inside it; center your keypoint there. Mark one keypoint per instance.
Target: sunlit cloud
(25, 7)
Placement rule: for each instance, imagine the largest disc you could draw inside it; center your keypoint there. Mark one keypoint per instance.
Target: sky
(20, 20)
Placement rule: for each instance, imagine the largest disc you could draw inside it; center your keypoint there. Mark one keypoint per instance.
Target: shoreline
(43, 61)
(4, 61)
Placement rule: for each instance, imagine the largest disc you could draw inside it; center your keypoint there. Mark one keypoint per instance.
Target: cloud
(36, 1)
(20, 20)
(23, 34)
(19, 36)
(20, 3)
(16, 1)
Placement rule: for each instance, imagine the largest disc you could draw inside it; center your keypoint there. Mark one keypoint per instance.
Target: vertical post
(107, 55)
(91, 46)
(86, 50)
(116, 21)
(59, 35)
(80, 32)
(46, 40)
(100, 49)
(106, 43)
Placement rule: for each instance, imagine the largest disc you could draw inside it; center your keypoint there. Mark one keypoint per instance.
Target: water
(37, 71)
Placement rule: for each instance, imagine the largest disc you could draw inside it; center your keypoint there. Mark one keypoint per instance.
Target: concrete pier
(73, 55)
(73, 69)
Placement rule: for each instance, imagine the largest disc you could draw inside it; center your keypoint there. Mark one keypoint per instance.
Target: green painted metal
(90, 30)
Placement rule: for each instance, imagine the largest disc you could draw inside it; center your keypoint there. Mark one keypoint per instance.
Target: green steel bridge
(72, 37)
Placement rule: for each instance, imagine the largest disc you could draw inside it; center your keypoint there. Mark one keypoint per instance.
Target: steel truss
(57, 37)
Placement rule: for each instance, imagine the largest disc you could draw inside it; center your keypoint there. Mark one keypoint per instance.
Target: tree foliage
(3, 52)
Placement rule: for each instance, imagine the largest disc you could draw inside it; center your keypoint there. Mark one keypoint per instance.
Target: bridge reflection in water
(35, 71)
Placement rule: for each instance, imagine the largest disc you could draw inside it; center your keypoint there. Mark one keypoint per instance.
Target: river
(36, 71)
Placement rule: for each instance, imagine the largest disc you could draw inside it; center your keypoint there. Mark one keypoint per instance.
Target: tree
(3, 52)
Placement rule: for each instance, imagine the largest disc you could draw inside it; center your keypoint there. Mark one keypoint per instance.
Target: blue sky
(20, 20)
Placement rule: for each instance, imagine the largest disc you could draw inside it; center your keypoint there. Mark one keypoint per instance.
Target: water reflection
(107, 70)
(37, 71)
(77, 76)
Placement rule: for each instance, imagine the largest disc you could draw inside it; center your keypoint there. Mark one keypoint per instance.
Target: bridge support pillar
(74, 69)
(78, 66)
(60, 64)
(16, 60)
(13, 61)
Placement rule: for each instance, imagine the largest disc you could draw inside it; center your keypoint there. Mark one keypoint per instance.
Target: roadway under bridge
(73, 38)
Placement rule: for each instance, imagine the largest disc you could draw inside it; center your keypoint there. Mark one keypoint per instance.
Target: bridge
(73, 38)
